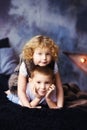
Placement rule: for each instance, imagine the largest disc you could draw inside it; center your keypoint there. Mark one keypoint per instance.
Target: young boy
(40, 89)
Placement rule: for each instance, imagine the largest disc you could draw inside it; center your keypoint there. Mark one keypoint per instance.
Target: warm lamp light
(82, 60)
(79, 59)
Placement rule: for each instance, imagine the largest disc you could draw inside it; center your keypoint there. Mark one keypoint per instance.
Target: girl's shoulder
(22, 69)
(27, 65)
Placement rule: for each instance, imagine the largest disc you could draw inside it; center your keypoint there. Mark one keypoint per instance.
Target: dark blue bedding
(15, 117)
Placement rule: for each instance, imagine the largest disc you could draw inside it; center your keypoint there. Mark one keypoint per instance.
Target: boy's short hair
(45, 70)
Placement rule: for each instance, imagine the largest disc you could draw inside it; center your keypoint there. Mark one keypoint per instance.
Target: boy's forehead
(42, 77)
(41, 74)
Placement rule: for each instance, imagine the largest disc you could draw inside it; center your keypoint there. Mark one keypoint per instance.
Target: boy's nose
(42, 86)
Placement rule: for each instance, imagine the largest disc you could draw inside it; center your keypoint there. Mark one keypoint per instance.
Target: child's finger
(39, 107)
(52, 86)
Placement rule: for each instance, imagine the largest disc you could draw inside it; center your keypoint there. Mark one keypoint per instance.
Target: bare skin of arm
(22, 84)
(35, 102)
(37, 98)
(60, 93)
(50, 103)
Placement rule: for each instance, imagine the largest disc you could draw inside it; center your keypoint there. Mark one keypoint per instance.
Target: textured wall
(63, 20)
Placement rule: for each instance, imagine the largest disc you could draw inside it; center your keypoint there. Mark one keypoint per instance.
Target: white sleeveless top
(23, 70)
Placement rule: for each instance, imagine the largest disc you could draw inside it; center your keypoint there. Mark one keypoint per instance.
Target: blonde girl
(42, 51)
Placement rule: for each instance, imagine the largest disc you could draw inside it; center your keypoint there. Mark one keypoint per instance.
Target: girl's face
(41, 83)
(42, 56)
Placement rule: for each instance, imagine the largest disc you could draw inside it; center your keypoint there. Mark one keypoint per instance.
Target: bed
(73, 116)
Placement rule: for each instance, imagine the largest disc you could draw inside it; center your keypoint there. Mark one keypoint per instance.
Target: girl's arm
(51, 104)
(60, 93)
(22, 84)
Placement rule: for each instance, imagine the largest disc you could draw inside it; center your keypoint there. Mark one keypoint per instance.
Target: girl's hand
(50, 90)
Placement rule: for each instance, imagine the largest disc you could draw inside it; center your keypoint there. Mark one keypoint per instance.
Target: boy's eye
(47, 83)
(38, 82)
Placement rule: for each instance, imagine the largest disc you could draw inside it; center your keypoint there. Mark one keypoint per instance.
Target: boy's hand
(36, 93)
(50, 90)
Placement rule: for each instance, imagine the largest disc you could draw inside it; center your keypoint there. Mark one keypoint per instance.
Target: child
(41, 51)
(40, 89)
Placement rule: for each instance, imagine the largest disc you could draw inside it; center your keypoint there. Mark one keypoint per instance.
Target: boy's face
(41, 83)
(42, 56)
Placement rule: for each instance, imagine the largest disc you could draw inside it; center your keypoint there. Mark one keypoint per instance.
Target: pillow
(4, 43)
(8, 58)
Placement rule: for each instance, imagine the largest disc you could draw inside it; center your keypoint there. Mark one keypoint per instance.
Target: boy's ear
(30, 80)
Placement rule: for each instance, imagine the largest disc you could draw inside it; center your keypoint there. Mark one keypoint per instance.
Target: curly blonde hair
(42, 42)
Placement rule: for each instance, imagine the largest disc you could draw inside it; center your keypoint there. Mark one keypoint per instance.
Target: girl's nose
(44, 56)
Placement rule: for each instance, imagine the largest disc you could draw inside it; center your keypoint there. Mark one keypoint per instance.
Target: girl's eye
(48, 54)
(39, 53)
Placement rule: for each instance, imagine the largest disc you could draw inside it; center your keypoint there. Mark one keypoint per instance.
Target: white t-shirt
(23, 70)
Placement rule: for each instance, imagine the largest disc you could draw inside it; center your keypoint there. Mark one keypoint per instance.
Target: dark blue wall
(63, 20)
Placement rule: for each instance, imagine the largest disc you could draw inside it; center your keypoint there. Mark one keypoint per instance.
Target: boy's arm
(60, 93)
(49, 101)
(35, 102)
(37, 98)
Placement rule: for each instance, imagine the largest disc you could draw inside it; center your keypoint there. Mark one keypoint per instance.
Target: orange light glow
(79, 59)
(82, 60)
